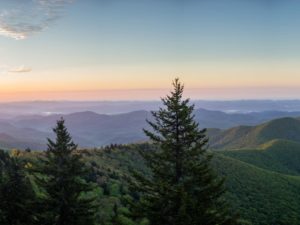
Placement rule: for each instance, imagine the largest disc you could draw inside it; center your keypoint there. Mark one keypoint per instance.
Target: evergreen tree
(182, 188)
(63, 179)
(17, 198)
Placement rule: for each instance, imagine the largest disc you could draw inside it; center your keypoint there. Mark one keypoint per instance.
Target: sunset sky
(132, 49)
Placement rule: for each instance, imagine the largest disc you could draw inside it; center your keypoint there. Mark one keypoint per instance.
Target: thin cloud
(28, 17)
(21, 69)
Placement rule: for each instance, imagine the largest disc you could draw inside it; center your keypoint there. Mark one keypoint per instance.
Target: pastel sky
(132, 49)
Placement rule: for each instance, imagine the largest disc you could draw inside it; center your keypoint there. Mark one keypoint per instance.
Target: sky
(132, 49)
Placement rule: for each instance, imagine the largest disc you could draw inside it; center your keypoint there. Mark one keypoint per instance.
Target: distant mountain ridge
(12, 109)
(222, 120)
(90, 129)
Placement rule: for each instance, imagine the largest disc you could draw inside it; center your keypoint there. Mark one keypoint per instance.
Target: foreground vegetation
(261, 196)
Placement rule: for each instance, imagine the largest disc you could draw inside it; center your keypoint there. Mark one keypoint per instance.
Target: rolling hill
(253, 137)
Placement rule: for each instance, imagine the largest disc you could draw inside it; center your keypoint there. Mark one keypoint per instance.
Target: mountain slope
(278, 155)
(253, 137)
(14, 137)
(262, 196)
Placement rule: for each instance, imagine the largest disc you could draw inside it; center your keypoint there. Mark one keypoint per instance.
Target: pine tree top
(63, 142)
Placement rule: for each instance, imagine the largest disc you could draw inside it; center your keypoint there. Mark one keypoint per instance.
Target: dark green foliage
(182, 188)
(66, 193)
(278, 155)
(17, 198)
(261, 196)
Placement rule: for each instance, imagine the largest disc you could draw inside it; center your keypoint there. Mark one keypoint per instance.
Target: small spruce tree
(182, 188)
(62, 178)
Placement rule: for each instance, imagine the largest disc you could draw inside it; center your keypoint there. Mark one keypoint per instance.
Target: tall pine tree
(62, 179)
(182, 189)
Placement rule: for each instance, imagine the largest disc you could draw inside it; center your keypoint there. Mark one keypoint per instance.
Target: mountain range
(90, 129)
(12, 109)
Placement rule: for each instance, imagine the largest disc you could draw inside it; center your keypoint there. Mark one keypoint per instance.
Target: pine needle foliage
(67, 198)
(182, 189)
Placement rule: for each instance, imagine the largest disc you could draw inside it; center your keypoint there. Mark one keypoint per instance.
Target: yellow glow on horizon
(117, 80)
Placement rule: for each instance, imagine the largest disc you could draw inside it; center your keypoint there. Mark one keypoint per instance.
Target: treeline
(180, 187)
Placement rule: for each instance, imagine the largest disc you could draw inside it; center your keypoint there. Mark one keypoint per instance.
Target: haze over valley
(31, 122)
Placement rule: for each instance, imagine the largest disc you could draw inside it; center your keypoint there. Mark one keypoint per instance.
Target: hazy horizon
(209, 94)
(146, 100)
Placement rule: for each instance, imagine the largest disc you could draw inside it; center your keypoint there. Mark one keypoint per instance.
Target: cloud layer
(4, 69)
(22, 19)
(20, 69)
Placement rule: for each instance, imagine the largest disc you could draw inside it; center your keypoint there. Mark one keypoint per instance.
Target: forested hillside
(262, 195)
